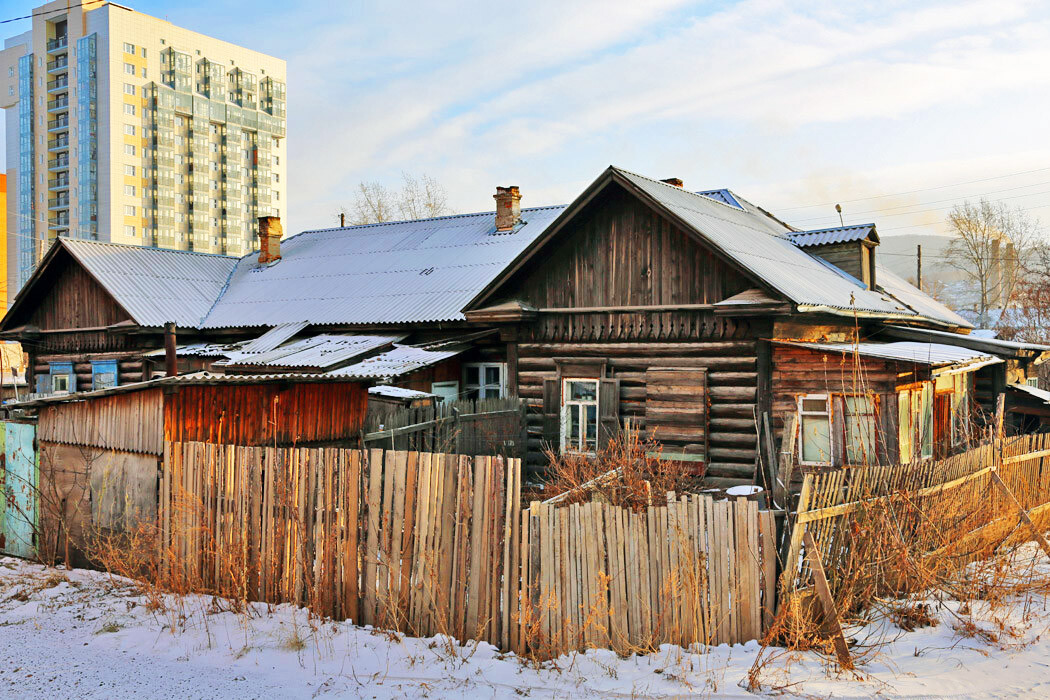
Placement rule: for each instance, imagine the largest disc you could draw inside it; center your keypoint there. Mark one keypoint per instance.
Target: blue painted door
(20, 489)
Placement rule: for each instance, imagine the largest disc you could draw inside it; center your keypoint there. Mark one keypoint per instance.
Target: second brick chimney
(270, 233)
(508, 208)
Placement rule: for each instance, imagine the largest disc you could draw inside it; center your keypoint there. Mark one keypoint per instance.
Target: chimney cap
(676, 181)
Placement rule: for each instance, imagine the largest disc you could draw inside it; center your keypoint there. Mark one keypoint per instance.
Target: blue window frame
(103, 374)
(62, 378)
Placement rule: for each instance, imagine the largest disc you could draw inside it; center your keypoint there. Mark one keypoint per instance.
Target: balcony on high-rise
(59, 83)
(59, 163)
(60, 102)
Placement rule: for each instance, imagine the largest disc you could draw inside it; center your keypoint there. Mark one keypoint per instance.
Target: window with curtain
(859, 424)
(579, 417)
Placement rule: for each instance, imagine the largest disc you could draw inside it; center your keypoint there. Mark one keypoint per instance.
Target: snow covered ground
(87, 635)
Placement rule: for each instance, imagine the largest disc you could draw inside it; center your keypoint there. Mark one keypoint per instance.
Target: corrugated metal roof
(398, 392)
(403, 272)
(195, 378)
(320, 351)
(910, 295)
(934, 354)
(839, 234)
(1040, 394)
(200, 350)
(274, 337)
(403, 359)
(723, 196)
(763, 245)
(155, 285)
(973, 340)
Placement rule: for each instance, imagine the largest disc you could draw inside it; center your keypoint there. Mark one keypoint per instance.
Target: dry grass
(627, 472)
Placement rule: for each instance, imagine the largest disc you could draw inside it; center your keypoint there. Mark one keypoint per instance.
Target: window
(276, 160)
(579, 415)
(103, 374)
(860, 430)
(448, 391)
(1032, 381)
(814, 429)
(214, 128)
(129, 109)
(129, 170)
(483, 380)
(276, 177)
(129, 210)
(129, 68)
(129, 190)
(129, 89)
(129, 48)
(62, 378)
(129, 129)
(129, 231)
(276, 196)
(214, 147)
(129, 149)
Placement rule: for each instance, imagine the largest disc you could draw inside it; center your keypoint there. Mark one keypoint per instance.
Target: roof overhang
(1000, 348)
(941, 358)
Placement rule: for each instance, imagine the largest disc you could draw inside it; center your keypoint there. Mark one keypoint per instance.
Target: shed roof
(320, 351)
(911, 296)
(401, 360)
(399, 272)
(933, 354)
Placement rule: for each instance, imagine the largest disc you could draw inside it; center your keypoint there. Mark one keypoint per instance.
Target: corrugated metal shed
(934, 354)
(404, 272)
(155, 285)
(403, 359)
(763, 245)
(839, 234)
(908, 294)
(320, 352)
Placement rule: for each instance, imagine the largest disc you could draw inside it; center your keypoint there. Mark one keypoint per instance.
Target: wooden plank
(827, 602)
(408, 541)
(375, 484)
(421, 576)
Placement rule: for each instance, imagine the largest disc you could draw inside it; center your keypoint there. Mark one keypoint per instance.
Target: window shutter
(551, 413)
(608, 411)
(676, 409)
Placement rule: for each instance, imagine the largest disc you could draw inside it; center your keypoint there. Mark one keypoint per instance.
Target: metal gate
(19, 508)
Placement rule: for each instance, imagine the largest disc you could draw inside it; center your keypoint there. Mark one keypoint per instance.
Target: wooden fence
(428, 543)
(964, 506)
(692, 571)
(482, 426)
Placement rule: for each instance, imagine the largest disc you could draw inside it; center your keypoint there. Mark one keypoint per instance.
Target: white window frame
(848, 439)
(826, 398)
(580, 407)
(483, 388)
(453, 385)
(55, 379)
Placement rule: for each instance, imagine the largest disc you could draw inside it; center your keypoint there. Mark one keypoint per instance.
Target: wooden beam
(831, 615)
(623, 309)
(1038, 536)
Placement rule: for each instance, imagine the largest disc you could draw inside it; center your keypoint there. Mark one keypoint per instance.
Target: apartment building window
(129, 48)
(214, 185)
(129, 170)
(129, 231)
(129, 149)
(276, 177)
(276, 196)
(129, 210)
(129, 89)
(129, 190)
(129, 129)
(214, 147)
(129, 68)
(214, 128)
(129, 109)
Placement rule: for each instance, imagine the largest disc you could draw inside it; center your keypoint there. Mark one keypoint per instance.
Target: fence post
(789, 557)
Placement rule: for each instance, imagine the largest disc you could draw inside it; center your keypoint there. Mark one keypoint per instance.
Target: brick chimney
(676, 181)
(270, 233)
(508, 208)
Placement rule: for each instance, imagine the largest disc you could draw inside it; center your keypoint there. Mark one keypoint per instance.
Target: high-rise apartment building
(122, 127)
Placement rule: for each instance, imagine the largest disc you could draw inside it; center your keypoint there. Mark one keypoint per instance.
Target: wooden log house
(649, 304)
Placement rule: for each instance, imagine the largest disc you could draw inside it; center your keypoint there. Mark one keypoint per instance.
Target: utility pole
(342, 220)
(918, 266)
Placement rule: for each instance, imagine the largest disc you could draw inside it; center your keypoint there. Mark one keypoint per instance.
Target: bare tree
(1029, 319)
(419, 197)
(991, 244)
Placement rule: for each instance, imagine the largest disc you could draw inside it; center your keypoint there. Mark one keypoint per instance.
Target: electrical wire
(56, 11)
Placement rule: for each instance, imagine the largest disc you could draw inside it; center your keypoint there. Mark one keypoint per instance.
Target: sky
(795, 106)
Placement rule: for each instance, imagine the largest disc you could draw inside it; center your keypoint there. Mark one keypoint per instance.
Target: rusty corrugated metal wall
(265, 414)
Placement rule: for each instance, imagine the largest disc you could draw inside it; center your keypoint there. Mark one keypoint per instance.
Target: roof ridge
(833, 228)
(67, 239)
(464, 215)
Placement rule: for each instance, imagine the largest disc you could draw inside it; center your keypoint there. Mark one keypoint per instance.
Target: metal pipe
(171, 365)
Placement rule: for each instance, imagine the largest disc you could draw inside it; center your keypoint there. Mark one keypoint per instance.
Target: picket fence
(964, 506)
(433, 543)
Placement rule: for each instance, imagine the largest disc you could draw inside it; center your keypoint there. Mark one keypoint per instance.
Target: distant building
(124, 128)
